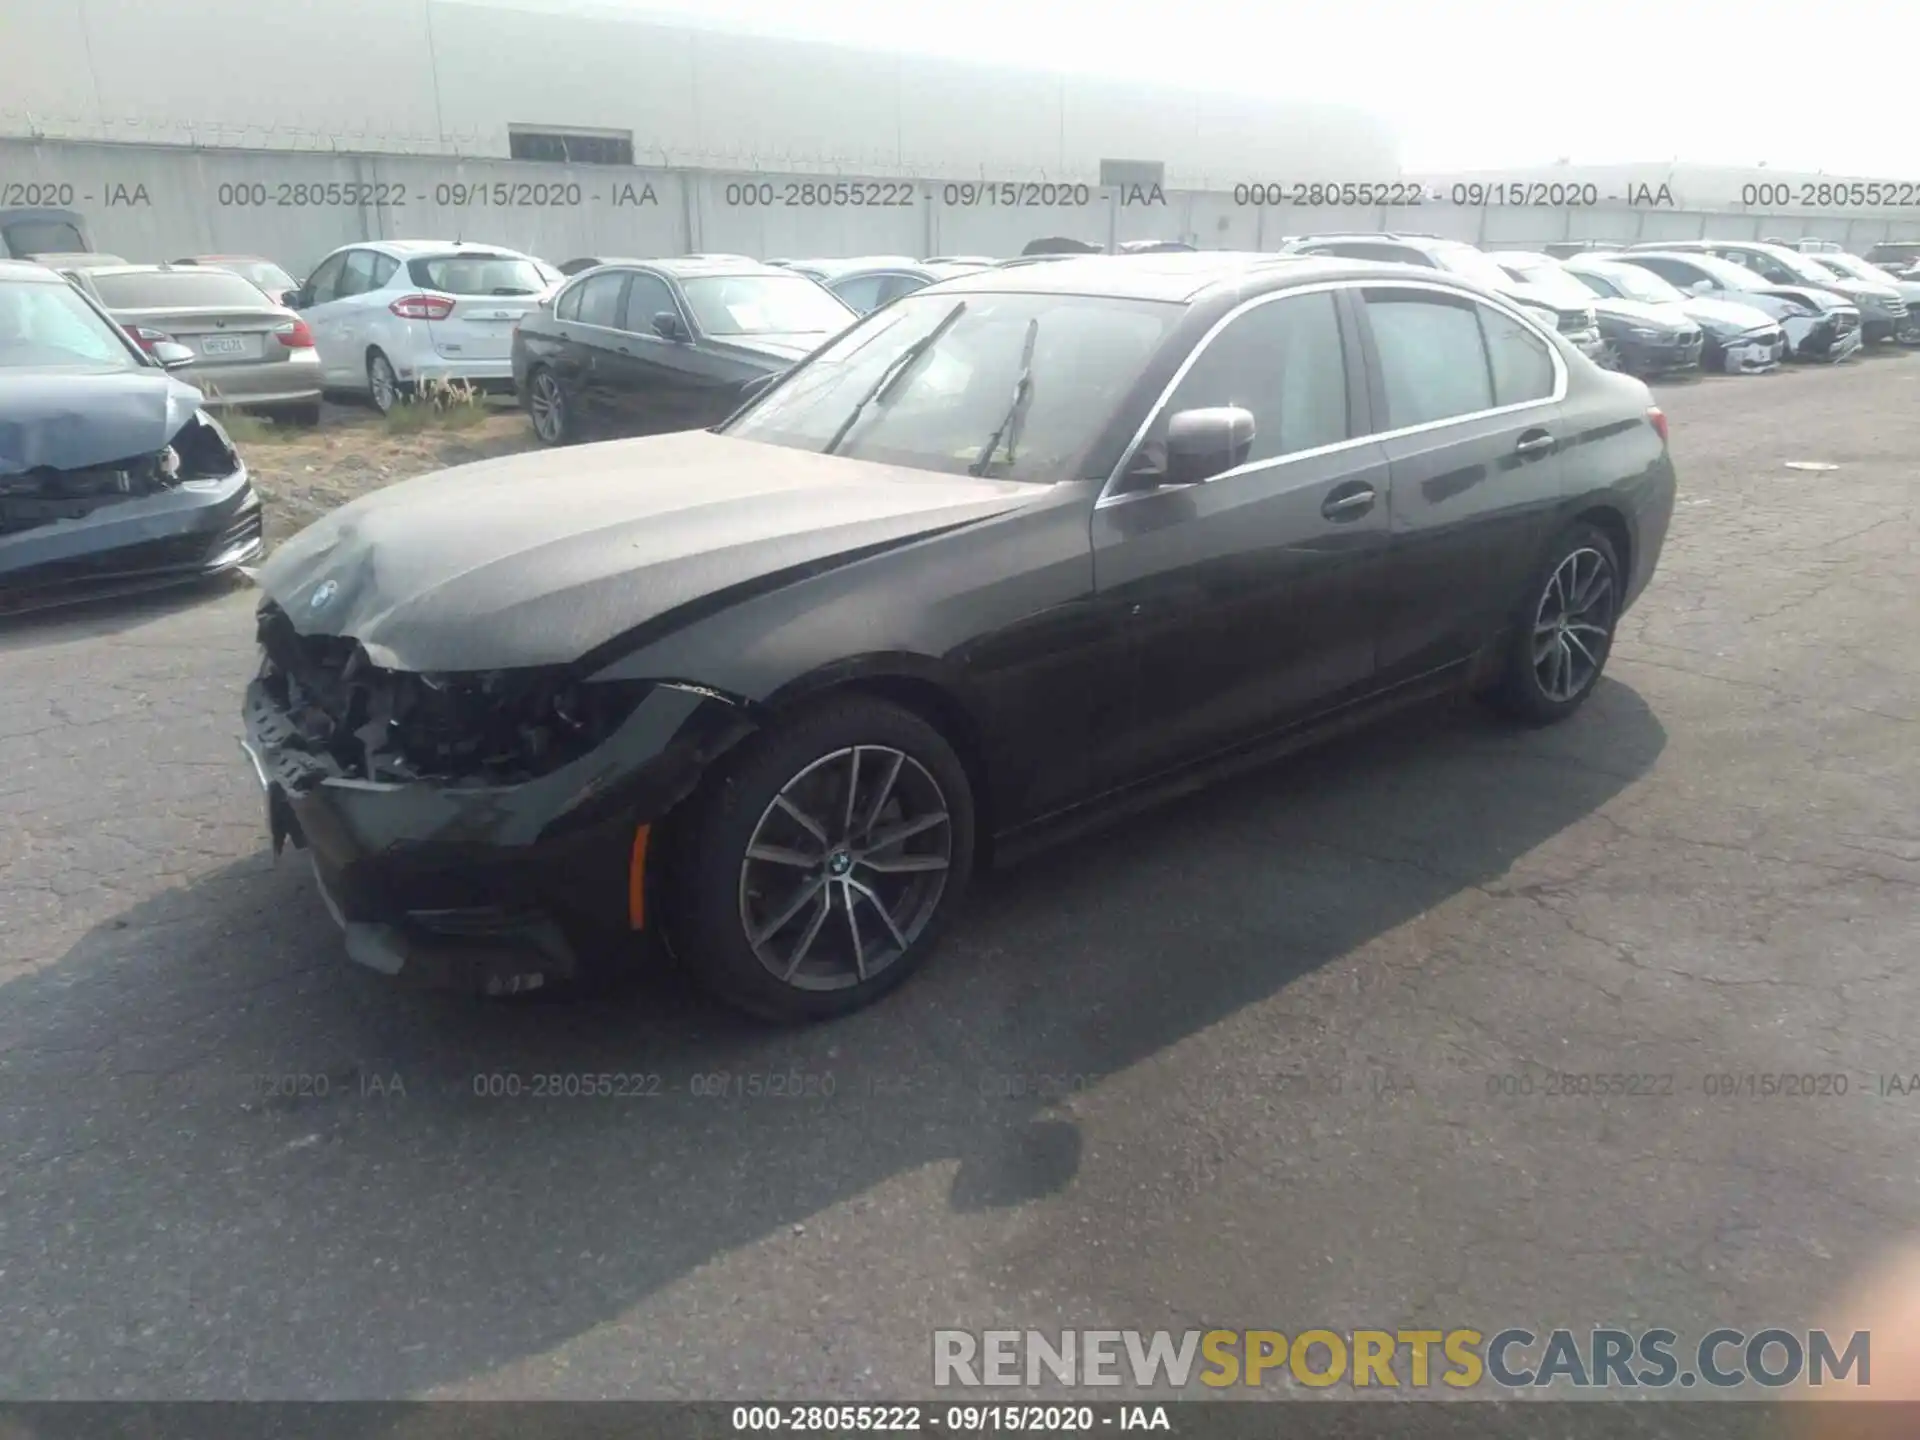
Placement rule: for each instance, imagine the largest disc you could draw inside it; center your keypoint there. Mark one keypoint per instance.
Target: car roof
(1180, 276)
(689, 267)
(855, 264)
(402, 249)
(31, 271)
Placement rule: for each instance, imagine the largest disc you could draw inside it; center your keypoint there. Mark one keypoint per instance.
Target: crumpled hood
(1722, 316)
(74, 419)
(538, 558)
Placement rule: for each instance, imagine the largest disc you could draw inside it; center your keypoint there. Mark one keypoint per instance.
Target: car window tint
(383, 268)
(647, 297)
(1522, 368)
(600, 299)
(567, 307)
(898, 285)
(1599, 284)
(1675, 272)
(357, 278)
(43, 237)
(862, 292)
(1432, 357)
(1284, 362)
(325, 282)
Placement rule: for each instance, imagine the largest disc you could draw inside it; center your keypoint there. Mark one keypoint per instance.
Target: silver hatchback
(249, 352)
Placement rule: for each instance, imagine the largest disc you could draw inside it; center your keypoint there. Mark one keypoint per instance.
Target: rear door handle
(1534, 442)
(1350, 505)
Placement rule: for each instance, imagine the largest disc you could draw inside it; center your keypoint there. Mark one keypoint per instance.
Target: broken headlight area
(490, 728)
(45, 495)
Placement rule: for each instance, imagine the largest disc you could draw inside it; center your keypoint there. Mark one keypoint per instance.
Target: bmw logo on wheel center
(325, 591)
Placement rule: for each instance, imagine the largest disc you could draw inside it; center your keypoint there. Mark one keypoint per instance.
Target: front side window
(942, 408)
(50, 326)
(325, 283)
(357, 278)
(1282, 361)
(729, 305)
(1433, 358)
(647, 296)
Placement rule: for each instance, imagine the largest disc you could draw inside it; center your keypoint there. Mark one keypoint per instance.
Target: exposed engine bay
(46, 495)
(357, 721)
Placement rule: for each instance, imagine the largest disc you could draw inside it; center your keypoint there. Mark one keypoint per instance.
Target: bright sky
(1798, 84)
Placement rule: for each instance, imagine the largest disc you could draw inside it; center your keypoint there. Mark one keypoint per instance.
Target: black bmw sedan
(1015, 551)
(113, 479)
(638, 347)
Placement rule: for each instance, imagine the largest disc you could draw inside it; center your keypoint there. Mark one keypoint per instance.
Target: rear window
(43, 237)
(177, 289)
(477, 275)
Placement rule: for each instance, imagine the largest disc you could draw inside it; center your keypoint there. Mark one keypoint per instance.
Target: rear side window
(1522, 368)
(1433, 358)
(478, 274)
(1284, 362)
(178, 289)
(599, 302)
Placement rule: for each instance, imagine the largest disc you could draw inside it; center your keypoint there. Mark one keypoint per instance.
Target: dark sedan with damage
(1021, 549)
(112, 477)
(638, 347)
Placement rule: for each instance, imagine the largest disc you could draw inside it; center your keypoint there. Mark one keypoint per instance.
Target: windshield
(941, 412)
(764, 305)
(1730, 275)
(177, 290)
(1554, 283)
(1853, 267)
(1637, 284)
(45, 326)
(1801, 267)
(477, 275)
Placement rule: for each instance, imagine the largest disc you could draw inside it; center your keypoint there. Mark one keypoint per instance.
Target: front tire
(1563, 630)
(549, 409)
(820, 864)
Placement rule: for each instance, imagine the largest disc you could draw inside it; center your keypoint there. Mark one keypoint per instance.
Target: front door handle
(1351, 505)
(1534, 442)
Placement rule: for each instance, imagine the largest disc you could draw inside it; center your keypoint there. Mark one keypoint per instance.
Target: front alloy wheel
(845, 868)
(817, 864)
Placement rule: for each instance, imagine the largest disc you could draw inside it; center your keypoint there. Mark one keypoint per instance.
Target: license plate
(223, 345)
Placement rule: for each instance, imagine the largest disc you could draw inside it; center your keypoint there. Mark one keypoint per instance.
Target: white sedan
(390, 315)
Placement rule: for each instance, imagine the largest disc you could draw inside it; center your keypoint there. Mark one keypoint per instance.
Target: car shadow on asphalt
(409, 1205)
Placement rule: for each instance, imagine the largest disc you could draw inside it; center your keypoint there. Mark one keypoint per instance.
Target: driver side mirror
(670, 326)
(1199, 445)
(296, 298)
(1701, 287)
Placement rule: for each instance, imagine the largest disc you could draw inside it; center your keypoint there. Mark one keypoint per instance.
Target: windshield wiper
(1016, 411)
(893, 375)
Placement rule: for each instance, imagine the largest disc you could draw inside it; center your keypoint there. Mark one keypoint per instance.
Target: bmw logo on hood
(326, 590)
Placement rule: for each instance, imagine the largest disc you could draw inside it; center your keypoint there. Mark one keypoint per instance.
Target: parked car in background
(1882, 312)
(1017, 547)
(585, 262)
(1854, 268)
(1019, 260)
(1736, 338)
(391, 315)
(867, 288)
(979, 260)
(643, 346)
(28, 232)
(78, 260)
(276, 283)
(1895, 255)
(1062, 245)
(247, 351)
(1574, 318)
(1564, 249)
(826, 270)
(1154, 247)
(1819, 325)
(112, 476)
(1638, 337)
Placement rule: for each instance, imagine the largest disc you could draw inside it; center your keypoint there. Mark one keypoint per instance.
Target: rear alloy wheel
(821, 866)
(547, 408)
(1564, 632)
(382, 384)
(1608, 357)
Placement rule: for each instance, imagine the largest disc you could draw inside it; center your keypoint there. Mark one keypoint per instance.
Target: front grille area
(1897, 309)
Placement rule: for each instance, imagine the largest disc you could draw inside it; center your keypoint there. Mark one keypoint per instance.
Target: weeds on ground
(438, 405)
(245, 429)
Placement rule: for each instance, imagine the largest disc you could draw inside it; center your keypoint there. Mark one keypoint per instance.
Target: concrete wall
(158, 202)
(444, 77)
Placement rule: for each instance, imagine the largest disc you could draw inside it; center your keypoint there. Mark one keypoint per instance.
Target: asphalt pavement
(1276, 1055)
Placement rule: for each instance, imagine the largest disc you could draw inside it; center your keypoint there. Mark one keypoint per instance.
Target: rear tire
(548, 408)
(383, 385)
(1562, 630)
(788, 899)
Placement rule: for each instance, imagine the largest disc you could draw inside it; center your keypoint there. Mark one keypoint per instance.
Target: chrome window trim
(1391, 282)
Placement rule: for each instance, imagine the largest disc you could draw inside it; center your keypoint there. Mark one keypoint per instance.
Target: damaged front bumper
(1751, 353)
(194, 529)
(487, 889)
(1830, 337)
